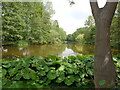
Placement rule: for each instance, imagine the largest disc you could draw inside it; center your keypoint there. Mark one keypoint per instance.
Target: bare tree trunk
(104, 68)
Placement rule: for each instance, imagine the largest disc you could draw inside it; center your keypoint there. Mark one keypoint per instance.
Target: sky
(72, 17)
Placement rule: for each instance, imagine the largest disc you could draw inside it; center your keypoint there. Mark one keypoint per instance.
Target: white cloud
(72, 17)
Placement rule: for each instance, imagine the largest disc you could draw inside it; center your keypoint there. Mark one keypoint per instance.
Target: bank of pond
(52, 72)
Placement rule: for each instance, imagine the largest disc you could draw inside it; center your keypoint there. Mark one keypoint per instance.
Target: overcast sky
(72, 17)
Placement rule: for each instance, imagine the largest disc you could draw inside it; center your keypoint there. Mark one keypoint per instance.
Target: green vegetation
(25, 23)
(30, 22)
(115, 29)
(52, 72)
(86, 35)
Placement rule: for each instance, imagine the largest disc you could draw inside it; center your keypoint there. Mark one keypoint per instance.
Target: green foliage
(89, 31)
(30, 21)
(52, 71)
(102, 82)
(90, 22)
(48, 71)
(115, 29)
(84, 35)
(22, 43)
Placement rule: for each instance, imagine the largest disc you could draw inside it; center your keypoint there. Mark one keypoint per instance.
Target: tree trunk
(104, 68)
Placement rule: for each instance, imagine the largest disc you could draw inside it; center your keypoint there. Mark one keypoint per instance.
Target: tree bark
(104, 68)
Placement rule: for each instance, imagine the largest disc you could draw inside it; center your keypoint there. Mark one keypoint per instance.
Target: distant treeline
(31, 22)
(86, 35)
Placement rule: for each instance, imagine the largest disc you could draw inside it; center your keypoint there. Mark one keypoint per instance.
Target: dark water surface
(64, 50)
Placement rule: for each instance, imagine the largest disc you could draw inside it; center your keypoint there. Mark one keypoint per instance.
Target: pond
(64, 50)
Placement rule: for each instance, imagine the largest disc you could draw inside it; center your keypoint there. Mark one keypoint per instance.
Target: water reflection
(68, 52)
(33, 50)
(63, 50)
(83, 49)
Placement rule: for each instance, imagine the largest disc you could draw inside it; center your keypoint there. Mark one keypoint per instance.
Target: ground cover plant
(51, 72)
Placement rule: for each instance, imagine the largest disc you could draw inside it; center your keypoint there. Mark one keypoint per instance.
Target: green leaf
(61, 68)
(79, 84)
(42, 62)
(7, 65)
(4, 72)
(42, 73)
(89, 71)
(12, 71)
(24, 64)
(18, 76)
(119, 76)
(77, 78)
(60, 78)
(102, 82)
(26, 76)
(52, 68)
(47, 82)
(82, 75)
(42, 80)
(51, 74)
(69, 70)
(4, 81)
(53, 57)
(39, 68)
(18, 66)
(118, 63)
(46, 68)
(69, 80)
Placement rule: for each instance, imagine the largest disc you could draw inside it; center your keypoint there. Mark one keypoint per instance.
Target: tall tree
(30, 21)
(89, 22)
(104, 68)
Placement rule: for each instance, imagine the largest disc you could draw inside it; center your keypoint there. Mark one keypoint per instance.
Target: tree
(13, 24)
(104, 68)
(30, 21)
(89, 37)
(90, 22)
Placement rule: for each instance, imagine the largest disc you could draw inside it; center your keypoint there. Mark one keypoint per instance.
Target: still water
(64, 50)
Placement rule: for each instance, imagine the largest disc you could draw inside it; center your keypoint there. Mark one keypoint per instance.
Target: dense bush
(53, 71)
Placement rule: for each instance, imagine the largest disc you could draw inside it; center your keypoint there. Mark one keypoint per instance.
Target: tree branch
(110, 7)
(94, 8)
